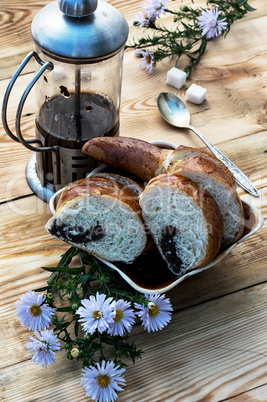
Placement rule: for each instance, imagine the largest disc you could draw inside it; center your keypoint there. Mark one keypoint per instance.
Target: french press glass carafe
(79, 47)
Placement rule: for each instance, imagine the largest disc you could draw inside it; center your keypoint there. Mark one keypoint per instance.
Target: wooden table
(215, 347)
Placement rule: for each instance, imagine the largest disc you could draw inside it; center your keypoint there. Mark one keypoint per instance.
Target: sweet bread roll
(183, 152)
(142, 158)
(136, 156)
(213, 178)
(101, 216)
(137, 188)
(184, 221)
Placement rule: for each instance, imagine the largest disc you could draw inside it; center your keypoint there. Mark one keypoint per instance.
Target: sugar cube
(176, 78)
(195, 94)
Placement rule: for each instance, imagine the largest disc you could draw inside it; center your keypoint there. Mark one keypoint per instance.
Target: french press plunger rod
(79, 46)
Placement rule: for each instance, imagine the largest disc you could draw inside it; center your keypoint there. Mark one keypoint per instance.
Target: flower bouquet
(91, 311)
(193, 28)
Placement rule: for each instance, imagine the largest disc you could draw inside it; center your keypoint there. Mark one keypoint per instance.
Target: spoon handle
(239, 176)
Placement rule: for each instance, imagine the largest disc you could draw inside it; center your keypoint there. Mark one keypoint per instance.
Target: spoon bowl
(175, 112)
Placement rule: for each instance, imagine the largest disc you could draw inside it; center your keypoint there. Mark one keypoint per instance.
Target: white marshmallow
(176, 78)
(195, 94)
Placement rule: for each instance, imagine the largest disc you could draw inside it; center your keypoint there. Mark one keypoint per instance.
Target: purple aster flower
(97, 313)
(32, 311)
(157, 314)
(44, 347)
(147, 59)
(151, 11)
(101, 383)
(123, 320)
(209, 23)
(157, 7)
(145, 18)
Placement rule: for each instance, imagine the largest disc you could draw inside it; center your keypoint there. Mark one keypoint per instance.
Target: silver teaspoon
(175, 112)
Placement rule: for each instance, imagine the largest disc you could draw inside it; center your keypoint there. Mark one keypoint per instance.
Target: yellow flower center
(153, 309)
(118, 316)
(35, 310)
(97, 314)
(103, 380)
(74, 352)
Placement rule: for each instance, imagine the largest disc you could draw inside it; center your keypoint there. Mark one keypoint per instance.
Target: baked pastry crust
(210, 176)
(101, 216)
(182, 152)
(171, 190)
(136, 156)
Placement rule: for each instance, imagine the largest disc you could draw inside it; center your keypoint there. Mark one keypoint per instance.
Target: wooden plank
(15, 156)
(16, 40)
(22, 256)
(238, 84)
(214, 351)
(16, 20)
(239, 151)
(255, 395)
(23, 219)
(244, 267)
(242, 113)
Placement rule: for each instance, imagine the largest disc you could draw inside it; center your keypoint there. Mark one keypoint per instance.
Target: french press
(79, 46)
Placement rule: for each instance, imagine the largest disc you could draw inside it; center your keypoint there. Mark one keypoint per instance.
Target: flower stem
(188, 38)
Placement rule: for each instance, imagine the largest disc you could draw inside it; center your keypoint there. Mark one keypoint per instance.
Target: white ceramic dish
(253, 222)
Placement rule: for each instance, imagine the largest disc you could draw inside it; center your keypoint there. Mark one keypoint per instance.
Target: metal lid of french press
(80, 29)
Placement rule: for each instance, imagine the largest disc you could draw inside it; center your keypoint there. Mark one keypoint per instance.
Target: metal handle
(239, 176)
(19, 137)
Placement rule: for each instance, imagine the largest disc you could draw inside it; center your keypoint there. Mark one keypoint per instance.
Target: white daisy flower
(32, 311)
(44, 347)
(101, 383)
(157, 314)
(209, 23)
(97, 313)
(123, 320)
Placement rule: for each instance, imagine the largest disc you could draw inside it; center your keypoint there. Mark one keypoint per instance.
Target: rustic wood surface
(215, 347)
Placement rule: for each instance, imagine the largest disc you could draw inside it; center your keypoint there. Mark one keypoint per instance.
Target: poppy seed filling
(77, 234)
(168, 247)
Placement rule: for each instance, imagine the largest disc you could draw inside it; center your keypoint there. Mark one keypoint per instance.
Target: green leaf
(41, 289)
(64, 309)
(68, 256)
(249, 8)
(76, 328)
(71, 271)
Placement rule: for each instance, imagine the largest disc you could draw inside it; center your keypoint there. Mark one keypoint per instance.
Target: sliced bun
(184, 152)
(211, 177)
(131, 184)
(101, 216)
(184, 221)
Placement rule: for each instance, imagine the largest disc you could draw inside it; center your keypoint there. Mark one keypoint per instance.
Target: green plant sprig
(186, 38)
(69, 285)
